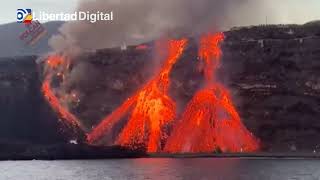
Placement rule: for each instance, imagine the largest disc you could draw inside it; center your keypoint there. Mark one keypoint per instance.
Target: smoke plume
(137, 21)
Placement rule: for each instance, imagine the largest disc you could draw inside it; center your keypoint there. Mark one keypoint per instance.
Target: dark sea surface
(163, 169)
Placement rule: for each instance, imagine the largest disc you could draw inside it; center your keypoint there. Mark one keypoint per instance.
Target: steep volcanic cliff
(273, 73)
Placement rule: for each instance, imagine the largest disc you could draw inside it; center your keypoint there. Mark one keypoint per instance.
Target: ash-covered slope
(275, 75)
(272, 71)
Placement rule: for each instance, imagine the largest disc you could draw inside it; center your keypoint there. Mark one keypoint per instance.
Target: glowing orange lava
(66, 117)
(210, 53)
(55, 61)
(153, 110)
(210, 121)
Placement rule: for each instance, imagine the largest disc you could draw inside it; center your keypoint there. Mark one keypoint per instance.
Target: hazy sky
(297, 11)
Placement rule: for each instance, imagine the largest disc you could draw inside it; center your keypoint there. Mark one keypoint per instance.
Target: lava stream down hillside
(148, 118)
(59, 65)
(210, 121)
(153, 110)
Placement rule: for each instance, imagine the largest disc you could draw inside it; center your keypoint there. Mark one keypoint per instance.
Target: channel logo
(24, 16)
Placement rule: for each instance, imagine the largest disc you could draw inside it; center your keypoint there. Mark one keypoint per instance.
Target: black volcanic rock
(23, 151)
(25, 115)
(273, 73)
(277, 82)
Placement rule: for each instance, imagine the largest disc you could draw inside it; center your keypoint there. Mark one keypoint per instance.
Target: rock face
(273, 73)
(22, 107)
(276, 78)
(27, 151)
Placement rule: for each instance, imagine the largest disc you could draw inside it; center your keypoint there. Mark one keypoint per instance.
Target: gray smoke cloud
(137, 21)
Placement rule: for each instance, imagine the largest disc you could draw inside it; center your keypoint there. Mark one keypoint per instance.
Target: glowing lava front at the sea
(210, 121)
(153, 110)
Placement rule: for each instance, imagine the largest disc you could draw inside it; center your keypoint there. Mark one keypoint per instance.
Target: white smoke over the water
(137, 21)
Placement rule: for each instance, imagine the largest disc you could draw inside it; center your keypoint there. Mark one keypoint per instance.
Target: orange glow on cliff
(210, 121)
(152, 110)
(66, 117)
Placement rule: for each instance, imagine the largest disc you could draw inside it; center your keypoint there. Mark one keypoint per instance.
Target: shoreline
(138, 155)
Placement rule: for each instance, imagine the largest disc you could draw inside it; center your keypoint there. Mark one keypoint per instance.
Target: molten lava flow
(210, 121)
(153, 110)
(55, 61)
(69, 119)
(210, 53)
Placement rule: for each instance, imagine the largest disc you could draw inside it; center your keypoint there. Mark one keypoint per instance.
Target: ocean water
(163, 169)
